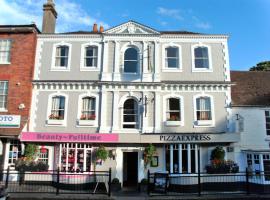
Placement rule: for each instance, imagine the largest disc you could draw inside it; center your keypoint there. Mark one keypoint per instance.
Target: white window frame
(204, 123)
(164, 56)
(139, 62)
(6, 87)
(7, 164)
(210, 69)
(137, 114)
(266, 130)
(90, 44)
(9, 52)
(87, 123)
(58, 68)
(52, 122)
(173, 123)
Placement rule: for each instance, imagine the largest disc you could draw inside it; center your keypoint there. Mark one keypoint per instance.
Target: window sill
(3, 110)
(55, 122)
(204, 123)
(61, 69)
(202, 70)
(172, 70)
(7, 63)
(173, 123)
(86, 122)
(92, 69)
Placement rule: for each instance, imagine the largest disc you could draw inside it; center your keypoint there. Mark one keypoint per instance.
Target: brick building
(17, 57)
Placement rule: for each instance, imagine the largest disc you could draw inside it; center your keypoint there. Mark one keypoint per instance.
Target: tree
(261, 66)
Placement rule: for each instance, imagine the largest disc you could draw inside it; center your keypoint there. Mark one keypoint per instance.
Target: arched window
(201, 58)
(203, 108)
(57, 108)
(91, 56)
(131, 61)
(61, 56)
(173, 112)
(88, 108)
(130, 114)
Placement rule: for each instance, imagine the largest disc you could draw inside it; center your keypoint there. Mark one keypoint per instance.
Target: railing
(92, 182)
(203, 183)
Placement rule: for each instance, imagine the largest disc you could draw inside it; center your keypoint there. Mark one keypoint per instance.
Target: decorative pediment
(131, 27)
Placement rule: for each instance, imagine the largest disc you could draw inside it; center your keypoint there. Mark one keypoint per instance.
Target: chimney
(101, 29)
(49, 17)
(95, 28)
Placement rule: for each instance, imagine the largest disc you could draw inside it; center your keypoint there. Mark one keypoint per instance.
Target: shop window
(75, 158)
(131, 61)
(184, 158)
(168, 158)
(266, 166)
(130, 114)
(43, 155)
(257, 168)
(267, 121)
(175, 158)
(14, 152)
(193, 158)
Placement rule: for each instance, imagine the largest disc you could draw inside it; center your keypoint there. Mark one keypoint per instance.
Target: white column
(171, 158)
(196, 157)
(145, 58)
(157, 66)
(103, 112)
(116, 72)
(180, 158)
(144, 117)
(104, 76)
(157, 111)
(189, 158)
(116, 112)
(119, 164)
(141, 170)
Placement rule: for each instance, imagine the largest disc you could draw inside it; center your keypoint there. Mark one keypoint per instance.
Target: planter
(115, 187)
(86, 122)
(173, 123)
(55, 122)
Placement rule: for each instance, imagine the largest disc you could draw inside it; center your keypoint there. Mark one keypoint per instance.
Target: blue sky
(247, 22)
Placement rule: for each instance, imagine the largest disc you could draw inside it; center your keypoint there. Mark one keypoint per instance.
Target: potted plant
(115, 185)
(148, 154)
(143, 185)
(87, 120)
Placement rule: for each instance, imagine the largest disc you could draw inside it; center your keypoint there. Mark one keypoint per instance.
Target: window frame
(20, 146)
(137, 124)
(173, 123)
(6, 87)
(85, 123)
(204, 123)
(56, 122)
(9, 51)
(164, 56)
(194, 69)
(59, 68)
(139, 59)
(83, 50)
(267, 123)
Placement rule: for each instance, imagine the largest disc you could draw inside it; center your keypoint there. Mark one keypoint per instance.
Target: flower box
(86, 122)
(55, 122)
(173, 123)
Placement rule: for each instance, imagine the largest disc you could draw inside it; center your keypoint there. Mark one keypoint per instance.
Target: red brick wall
(21, 69)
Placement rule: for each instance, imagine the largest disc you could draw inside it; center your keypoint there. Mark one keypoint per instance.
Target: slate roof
(252, 88)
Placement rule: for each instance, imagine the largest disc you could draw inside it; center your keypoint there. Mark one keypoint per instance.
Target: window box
(86, 122)
(204, 123)
(173, 123)
(55, 122)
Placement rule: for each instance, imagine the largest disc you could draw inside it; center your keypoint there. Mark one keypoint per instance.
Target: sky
(247, 22)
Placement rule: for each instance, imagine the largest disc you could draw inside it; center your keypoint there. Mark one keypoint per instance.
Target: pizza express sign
(186, 138)
(10, 121)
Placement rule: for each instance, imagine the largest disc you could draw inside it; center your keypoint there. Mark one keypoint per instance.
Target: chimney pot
(101, 29)
(95, 28)
(49, 17)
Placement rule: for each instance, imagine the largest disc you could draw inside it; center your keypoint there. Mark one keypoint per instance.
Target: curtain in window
(88, 108)
(61, 59)
(58, 108)
(203, 108)
(5, 51)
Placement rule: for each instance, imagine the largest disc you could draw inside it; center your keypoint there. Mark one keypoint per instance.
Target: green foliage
(115, 181)
(24, 164)
(222, 166)
(31, 151)
(148, 154)
(101, 153)
(144, 181)
(218, 153)
(261, 66)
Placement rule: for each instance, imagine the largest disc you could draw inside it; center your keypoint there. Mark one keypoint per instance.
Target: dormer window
(131, 60)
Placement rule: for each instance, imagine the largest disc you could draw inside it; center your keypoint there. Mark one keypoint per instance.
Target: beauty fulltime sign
(68, 137)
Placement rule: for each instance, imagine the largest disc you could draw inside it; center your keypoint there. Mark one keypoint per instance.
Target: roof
(26, 28)
(252, 88)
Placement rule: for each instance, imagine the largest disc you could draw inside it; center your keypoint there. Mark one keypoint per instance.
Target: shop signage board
(10, 121)
(68, 137)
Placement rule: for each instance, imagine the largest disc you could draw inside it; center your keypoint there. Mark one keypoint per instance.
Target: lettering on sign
(10, 121)
(185, 138)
